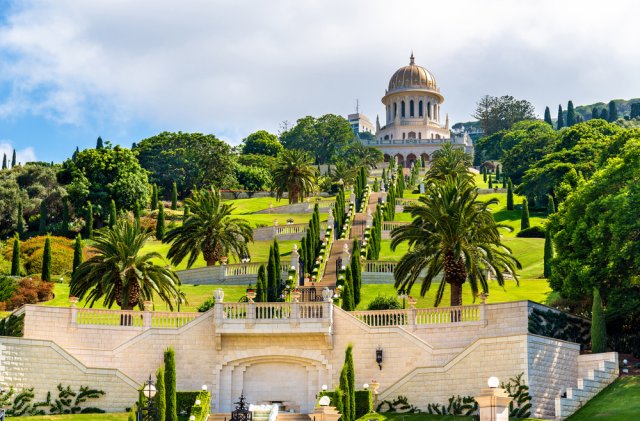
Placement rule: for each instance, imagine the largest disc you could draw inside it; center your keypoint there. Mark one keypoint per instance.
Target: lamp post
(493, 402)
(149, 411)
(403, 295)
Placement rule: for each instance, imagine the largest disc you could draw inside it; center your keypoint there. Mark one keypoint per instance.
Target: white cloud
(235, 66)
(22, 155)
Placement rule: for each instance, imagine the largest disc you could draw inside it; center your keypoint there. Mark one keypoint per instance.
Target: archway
(387, 158)
(400, 159)
(411, 159)
(425, 157)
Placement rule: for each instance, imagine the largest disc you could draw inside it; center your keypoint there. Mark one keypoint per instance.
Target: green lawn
(530, 289)
(396, 416)
(620, 401)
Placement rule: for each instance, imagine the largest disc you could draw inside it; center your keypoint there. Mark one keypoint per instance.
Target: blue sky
(73, 70)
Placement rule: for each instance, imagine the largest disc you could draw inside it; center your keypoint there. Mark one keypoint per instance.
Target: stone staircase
(293, 416)
(587, 387)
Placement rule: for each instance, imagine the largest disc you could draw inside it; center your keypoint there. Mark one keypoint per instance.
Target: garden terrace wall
(233, 274)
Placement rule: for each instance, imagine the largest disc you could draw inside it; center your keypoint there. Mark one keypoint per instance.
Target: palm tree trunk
(456, 294)
(293, 195)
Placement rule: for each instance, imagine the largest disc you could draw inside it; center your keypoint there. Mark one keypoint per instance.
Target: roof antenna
(357, 106)
(411, 59)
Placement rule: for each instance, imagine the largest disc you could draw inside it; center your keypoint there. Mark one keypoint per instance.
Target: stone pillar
(421, 188)
(146, 315)
(346, 256)
(369, 218)
(330, 219)
(294, 317)
(74, 310)
(324, 413)
(295, 260)
(251, 314)
(493, 404)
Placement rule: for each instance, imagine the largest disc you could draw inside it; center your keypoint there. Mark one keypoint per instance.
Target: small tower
(377, 123)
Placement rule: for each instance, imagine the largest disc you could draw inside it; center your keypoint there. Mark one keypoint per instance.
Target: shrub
(29, 291)
(12, 326)
(185, 400)
(598, 325)
(364, 403)
(400, 404)
(8, 286)
(32, 251)
(170, 384)
(207, 305)
(532, 232)
(383, 302)
(458, 405)
(520, 406)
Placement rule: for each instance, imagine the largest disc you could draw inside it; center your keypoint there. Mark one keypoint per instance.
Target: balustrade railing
(405, 202)
(159, 319)
(379, 266)
(389, 225)
(241, 269)
(169, 320)
(243, 311)
(420, 316)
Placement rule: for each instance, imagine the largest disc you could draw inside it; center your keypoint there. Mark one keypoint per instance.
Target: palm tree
(295, 174)
(209, 229)
(455, 234)
(449, 161)
(343, 171)
(119, 274)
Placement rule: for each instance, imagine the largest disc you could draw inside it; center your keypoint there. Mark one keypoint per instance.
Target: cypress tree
(551, 206)
(99, 143)
(77, 252)
(65, 216)
(384, 175)
(89, 221)
(598, 325)
(490, 182)
(347, 293)
(497, 172)
(15, 257)
(594, 113)
(4, 161)
(356, 271)
(42, 228)
(276, 261)
(308, 247)
(170, 384)
(509, 194)
(271, 277)
(613, 111)
(346, 395)
(484, 174)
(160, 222)
(547, 116)
(13, 159)
(113, 213)
(174, 196)
(136, 214)
(20, 224)
(261, 290)
(161, 395)
(560, 122)
(635, 110)
(75, 154)
(571, 114)
(351, 378)
(524, 221)
(46, 260)
(548, 253)
(154, 196)
(604, 114)
(504, 181)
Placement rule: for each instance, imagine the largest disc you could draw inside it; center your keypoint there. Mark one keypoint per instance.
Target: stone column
(324, 413)
(74, 310)
(330, 219)
(346, 256)
(369, 218)
(295, 260)
(493, 404)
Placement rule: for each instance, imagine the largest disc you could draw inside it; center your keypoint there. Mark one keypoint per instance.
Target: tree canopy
(261, 143)
(322, 137)
(500, 113)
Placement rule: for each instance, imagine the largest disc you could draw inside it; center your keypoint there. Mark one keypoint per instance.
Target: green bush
(383, 302)
(364, 401)
(532, 232)
(185, 400)
(207, 305)
(201, 411)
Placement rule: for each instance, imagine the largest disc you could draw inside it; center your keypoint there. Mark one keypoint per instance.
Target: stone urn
(251, 294)
(218, 295)
(295, 294)
(412, 301)
(73, 301)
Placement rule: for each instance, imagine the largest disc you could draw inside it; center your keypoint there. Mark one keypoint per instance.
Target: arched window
(411, 109)
(419, 135)
(411, 135)
(429, 109)
(420, 109)
(395, 109)
(386, 137)
(402, 108)
(403, 135)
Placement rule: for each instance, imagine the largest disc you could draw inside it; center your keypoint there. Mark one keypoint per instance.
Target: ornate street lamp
(149, 411)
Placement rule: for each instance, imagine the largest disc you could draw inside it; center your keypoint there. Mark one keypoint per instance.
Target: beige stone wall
(26, 363)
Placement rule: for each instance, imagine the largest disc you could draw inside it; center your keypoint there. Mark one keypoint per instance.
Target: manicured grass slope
(620, 401)
(78, 417)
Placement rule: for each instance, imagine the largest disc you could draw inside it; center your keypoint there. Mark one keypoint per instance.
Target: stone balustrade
(232, 274)
(92, 317)
(379, 266)
(405, 202)
(422, 316)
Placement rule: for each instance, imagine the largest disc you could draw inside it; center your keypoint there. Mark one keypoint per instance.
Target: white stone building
(413, 119)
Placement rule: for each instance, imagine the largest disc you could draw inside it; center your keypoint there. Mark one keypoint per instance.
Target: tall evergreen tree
(497, 172)
(77, 252)
(160, 228)
(276, 262)
(261, 290)
(65, 216)
(551, 206)
(571, 114)
(348, 303)
(46, 260)
(136, 215)
(484, 174)
(75, 154)
(504, 181)
(4, 161)
(613, 111)
(15, 257)
(272, 294)
(99, 143)
(509, 194)
(356, 271)
(346, 395)
(174, 196)
(635, 110)
(524, 221)
(20, 223)
(161, 395)
(89, 221)
(351, 379)
(113, 213)
(490, 181)
(548, 253)
(594, 113)
(154, 196)
(170, 384)
(547, 116)
(42, 228)
(13, 159)
(560, 121)
(604, 114)
(187, 210)
(598, 325)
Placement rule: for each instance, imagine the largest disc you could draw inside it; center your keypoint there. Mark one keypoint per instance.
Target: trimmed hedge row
(364, 401)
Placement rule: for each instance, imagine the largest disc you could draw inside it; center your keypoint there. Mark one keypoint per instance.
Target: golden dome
(412, 76)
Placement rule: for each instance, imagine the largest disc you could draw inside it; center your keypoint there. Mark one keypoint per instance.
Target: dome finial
(411, 59)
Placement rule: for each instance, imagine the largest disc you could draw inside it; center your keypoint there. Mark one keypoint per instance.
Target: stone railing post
(412, 315)
(294, 316)
(482, 308)
(330, 219)
(74, 310)
(146, 315)
(251, 314)
(218, 295)
(295, 259)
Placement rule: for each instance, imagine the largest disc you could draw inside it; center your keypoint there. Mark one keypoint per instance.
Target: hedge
(185, 400)
(201, 412)
(532, 232)
(364, 401)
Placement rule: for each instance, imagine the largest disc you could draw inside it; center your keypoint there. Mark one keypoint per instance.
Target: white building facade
(413, 120)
